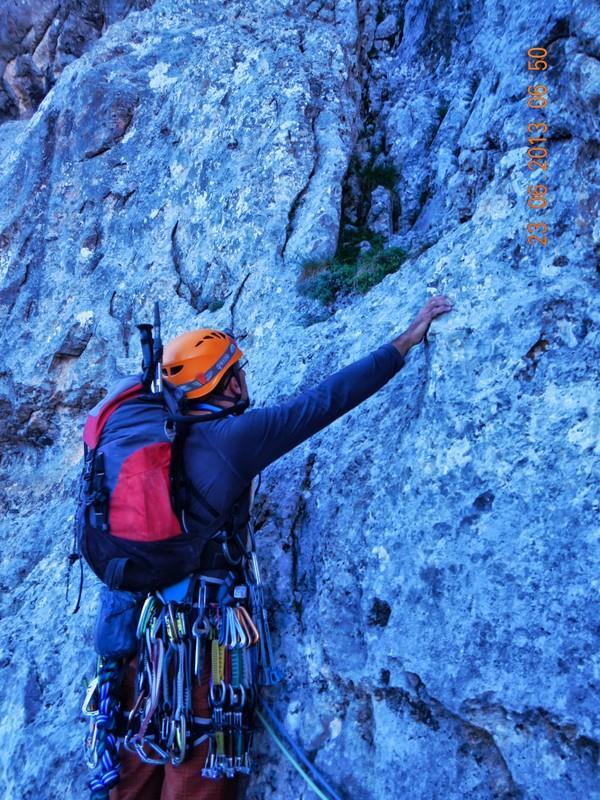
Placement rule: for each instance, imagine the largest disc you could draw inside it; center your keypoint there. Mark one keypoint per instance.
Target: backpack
(131, 522)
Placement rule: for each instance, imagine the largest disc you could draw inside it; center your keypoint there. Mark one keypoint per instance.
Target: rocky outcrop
(39, 39)
(429, 557)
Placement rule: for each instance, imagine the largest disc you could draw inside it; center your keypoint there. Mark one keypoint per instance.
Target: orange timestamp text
(537, 152)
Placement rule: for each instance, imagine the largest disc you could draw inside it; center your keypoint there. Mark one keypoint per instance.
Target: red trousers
(141, 781)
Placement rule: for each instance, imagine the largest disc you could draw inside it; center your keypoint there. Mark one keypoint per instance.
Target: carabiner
(91, 691)
(179, 734)
(234, 703)
(233, 561)
(239, 637)
(254, 634)
(138, 747)
(171, 623)
(181, 623)
(89, 747)
(200, 627)
(149, 609)
(232, 633)
(214, 703)
(136, 707)
(223, 623)
(157, 624)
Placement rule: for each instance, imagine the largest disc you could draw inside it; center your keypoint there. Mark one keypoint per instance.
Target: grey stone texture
(432, 557)
(380, 219)
(38, 38)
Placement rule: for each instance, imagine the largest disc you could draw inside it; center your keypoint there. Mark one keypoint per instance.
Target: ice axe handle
(157, 352)
(147, 344)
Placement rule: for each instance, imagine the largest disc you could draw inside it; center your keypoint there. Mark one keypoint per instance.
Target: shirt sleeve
(260, 436)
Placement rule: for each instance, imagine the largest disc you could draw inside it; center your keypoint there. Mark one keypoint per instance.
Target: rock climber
(220, 460)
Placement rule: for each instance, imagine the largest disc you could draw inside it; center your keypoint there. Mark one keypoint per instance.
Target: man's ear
(235, 385)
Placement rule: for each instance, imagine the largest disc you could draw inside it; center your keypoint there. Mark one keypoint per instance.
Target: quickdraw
(233, 637)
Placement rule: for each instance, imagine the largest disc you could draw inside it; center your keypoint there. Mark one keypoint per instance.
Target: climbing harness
(202, 619)
(179, 628)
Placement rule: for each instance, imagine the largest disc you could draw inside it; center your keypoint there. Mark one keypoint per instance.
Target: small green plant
(386, 175)
(371, 175)
(349, 249)
(375, 265)
(326, 279)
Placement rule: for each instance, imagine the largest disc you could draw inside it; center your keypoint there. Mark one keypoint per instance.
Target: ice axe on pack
(152, 353)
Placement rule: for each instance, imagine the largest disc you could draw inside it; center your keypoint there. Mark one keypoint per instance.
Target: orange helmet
(196, 361)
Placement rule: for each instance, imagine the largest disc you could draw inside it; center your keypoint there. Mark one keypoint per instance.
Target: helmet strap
(240, 402)
(197, 405)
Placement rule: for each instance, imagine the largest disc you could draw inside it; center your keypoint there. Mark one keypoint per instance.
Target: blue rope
(285, 735)
(109, 706)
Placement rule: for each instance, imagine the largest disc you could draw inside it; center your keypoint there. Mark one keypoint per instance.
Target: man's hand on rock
(418, 328)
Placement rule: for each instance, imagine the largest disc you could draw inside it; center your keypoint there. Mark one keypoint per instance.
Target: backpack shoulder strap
(182, 488)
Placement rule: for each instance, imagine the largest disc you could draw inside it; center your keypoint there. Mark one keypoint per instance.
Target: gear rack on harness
(178, 629)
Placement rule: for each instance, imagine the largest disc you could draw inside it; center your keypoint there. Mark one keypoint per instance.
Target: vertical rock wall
(430, 557)
(39, 39)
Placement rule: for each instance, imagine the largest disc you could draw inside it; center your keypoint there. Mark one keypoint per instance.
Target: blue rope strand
(109, 765)
(310, 767)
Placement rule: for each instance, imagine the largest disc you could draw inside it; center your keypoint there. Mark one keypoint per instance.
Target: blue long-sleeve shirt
(222, 456)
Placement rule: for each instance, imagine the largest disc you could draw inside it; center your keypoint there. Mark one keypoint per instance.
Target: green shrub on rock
(326, 279)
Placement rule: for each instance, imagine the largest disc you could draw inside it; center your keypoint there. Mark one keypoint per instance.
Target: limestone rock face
(39, 38)
(431, 557)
